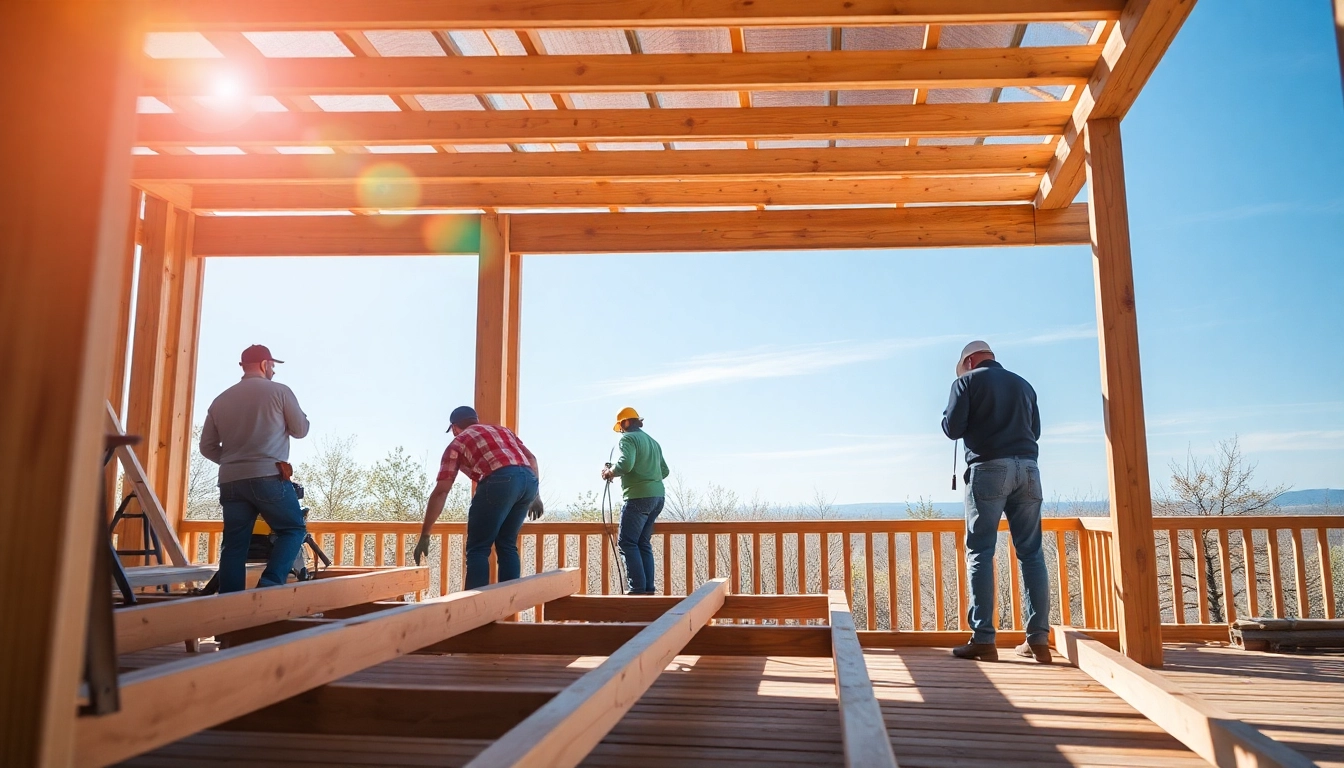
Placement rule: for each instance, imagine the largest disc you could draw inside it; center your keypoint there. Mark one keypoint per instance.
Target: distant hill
(1312, 497)
(895, 510)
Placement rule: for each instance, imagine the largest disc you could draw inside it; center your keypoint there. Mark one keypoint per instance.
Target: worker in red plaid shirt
(505, 473)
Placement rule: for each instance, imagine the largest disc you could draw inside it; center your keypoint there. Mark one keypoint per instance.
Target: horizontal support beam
(194, 15)
(399, 711)
(721, 164)
(919, 227)
(146, 626)
(522, 194)
(623, 73)
(608, 125)
(164, 703)
(1207, 730)
(603, 639)
(617, 608)
(862, 729)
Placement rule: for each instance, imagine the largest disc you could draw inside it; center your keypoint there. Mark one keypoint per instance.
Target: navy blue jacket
(994, 411)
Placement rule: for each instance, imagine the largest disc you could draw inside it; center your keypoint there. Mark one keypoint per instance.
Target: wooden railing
(902, 575)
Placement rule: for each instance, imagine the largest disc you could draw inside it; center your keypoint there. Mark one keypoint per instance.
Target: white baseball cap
(967, 351)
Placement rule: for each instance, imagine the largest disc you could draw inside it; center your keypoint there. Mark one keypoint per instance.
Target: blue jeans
(496, 515)
(273, 499)
(637, 516)
(1012, 487)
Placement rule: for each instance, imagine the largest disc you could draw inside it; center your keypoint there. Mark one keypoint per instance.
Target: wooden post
(493, 328)
(1132, 549)
(512, 341)
(65, 200)
(179, 375)
(121, 341)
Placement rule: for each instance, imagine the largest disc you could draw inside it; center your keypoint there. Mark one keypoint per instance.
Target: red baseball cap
(258, 354)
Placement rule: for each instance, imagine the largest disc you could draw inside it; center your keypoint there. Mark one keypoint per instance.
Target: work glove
(536, 509)
(421, 548)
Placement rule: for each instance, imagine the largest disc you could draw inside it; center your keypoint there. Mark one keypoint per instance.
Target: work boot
(1041, 651)
(977, 651)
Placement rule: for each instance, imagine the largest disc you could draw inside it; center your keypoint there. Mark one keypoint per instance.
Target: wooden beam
(164, 703)
(1133, 50)
(136, 481)
(121, 344)
(721, 164)
(414, 194)
(1206, 729)
(493, 300)
(402, 711)
(592, 125)
(624, 73)
(1132, 547)
(513, 343)
(147, 626)
(604, 639)
(63, 240)
(562, 732)
(620, 608)
(191, 15)
(187, 275)
(917, 227)
(862, 730)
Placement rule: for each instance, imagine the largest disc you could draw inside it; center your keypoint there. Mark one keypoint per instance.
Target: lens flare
(453, 233)
(387, 185)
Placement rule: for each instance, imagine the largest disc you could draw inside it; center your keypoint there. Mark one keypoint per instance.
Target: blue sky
(784, 374)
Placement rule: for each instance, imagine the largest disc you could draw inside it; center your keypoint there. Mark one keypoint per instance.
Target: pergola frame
(64, 297)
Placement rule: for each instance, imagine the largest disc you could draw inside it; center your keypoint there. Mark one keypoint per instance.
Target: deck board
(940, 711)
(1297, 699)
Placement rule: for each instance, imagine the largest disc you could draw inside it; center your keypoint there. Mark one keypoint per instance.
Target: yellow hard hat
(626, 413)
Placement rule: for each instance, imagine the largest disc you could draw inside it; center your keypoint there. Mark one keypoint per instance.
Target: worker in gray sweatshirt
(246, 433)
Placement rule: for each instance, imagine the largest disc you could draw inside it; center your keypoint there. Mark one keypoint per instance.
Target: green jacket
(640, 466)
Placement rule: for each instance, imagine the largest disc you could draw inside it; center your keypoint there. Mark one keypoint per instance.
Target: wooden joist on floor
(564, 730)
(165, 703)
(1207, 730)
(146, 626)
(861, 726)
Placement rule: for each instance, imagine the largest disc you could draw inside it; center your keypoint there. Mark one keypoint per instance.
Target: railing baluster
(1085, 578)
(870, 607)
(1327, 571)
(1177, 578)
(443, 563)
(212, 548)
(1275, 582)
(561, 556)
(755, 564)
(400, 540)
(1225, 561)
(1201, 576)
(939, 608)
(1062, 566)
(963, 585)
(538, 565)
(893, 602)
(603, 572)
(917, 618)
(583, 563)
(735, 566)
(779, 563)
(1300, 575)
(825, 569)
(712, 556)
(688, 544)
(1015, 586)
(1252, 580)
(800, 551)
(848, 549)
(667, 564)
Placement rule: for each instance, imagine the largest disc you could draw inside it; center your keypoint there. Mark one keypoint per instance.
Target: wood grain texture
(604, 639)
(416, 194)
(713, 164)
(600, 125)
(1132, 549)
(562, 732)
(623, 73)
(192, 15)
(165, 703)
(493, 300)
(862, 730)
(62, 246)
(147, 626)
(1206, 729)
(1132, 52)
(628, 609)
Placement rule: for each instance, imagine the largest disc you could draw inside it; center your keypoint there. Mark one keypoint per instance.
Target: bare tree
(683, 502)
(202, 480)
(1211, 487)
(335, 483)
(822, 507)
(398, 487)
(922, 510)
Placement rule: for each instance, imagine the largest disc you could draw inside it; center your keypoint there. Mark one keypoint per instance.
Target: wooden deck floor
(764, 711)
(1295, 699)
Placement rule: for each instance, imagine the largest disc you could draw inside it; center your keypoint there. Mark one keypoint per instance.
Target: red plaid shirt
(480, 450)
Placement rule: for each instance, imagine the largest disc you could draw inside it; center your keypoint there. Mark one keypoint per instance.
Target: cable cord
(609, 522)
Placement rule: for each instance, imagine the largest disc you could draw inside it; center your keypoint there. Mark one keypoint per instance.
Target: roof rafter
(616, 73)
(283, 15)
(783, 123)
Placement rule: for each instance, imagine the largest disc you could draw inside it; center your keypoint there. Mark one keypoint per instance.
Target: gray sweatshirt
(248, 427)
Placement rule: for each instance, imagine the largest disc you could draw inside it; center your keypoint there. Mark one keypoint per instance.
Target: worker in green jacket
(642, 470)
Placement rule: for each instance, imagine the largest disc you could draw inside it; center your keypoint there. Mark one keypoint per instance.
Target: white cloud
(766, 363)
(1305, 440)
